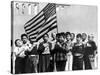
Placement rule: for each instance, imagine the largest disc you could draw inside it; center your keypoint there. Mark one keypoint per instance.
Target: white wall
(74, 18)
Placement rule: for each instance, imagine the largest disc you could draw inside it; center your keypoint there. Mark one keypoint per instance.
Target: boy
(44, 51)
(19, 53)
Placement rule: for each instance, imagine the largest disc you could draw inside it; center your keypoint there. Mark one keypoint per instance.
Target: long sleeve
(41, 48)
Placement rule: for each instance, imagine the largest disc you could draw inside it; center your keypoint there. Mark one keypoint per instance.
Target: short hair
(68, 33)
(52, 34)
(23, 36)
(16, 42)
(58, 35)
(78, 35)
(62, 34)
(84, 34)
(73, 34)
(91, 35)
(46, 34)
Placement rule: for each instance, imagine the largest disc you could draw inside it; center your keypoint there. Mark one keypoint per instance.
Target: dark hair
(84, 34)
(23, 36)
(16, 42)
(73, 34)
(46, 34)
(78, 35)
(68, 33)
(58, 35)
(62, 34)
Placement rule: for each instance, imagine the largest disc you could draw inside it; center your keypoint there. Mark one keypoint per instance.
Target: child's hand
(45, 45)
(88, 45)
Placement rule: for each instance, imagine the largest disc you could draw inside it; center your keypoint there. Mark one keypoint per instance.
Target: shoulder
(15, 49)
(50, 42)
(74, 44)
(41, 42)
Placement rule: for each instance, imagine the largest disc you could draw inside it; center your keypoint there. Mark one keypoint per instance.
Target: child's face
(19, 43)
(90, 38)
(45, 38)
(24, 39)
(79, 39)
(61, 39)
(53, 35)
(68, 37)
(84, 36)
(72, 36)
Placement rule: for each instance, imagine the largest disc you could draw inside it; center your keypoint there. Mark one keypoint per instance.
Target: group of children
(64, 52)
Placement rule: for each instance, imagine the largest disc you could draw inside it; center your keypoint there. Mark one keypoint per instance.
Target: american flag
(42, 23)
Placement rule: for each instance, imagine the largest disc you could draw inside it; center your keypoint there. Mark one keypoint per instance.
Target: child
(52, 63)
(84, 38)
(78, 53)
(19, 53)
(60, 53)
(69, 46)
(72, 37)
(90, 52)
(44, 51)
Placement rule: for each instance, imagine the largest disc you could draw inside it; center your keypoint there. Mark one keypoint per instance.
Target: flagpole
(56, 16)
(54, 54)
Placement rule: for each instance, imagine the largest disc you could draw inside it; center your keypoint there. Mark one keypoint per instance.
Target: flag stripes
(29, 25)
(42, 23)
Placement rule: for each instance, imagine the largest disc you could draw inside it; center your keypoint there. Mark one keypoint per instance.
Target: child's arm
(18, 52)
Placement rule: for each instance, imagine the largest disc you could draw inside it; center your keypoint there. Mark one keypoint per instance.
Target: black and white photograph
(53, 37)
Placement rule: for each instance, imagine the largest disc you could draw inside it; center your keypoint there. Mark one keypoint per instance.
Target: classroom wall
(73, 18)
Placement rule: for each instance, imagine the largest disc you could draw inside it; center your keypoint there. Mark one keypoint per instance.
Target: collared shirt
(28, 46)
(78, 49)
(69, 45)
(20, 51)
(53, 42)
(44, 48)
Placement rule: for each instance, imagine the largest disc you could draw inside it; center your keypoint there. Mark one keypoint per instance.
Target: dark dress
(60, 58)
(89, 51)
(77, 60)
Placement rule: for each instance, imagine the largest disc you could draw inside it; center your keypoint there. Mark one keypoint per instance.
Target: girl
(78, 53)
(69, 46)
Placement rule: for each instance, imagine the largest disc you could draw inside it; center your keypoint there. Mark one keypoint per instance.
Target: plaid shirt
(60, 57)
(60, 53)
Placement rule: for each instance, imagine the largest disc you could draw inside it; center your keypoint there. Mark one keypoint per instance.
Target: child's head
(68, 36)
(53, 35)
(62, 37)
(90, 37)
(84, 36)
(79, 38)
(24, 38)
(72, 36)
(46, 37)
(18, 43)
(57, 36)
